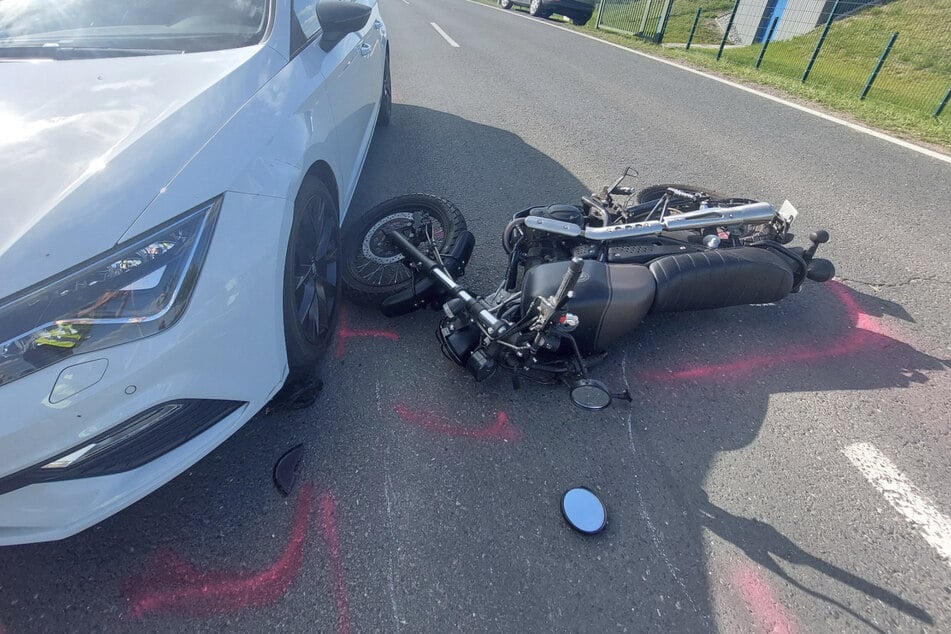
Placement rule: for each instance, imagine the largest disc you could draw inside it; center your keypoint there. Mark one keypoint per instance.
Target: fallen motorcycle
(579, 276)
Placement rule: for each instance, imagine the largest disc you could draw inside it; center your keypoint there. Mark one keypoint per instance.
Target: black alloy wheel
(311, 278)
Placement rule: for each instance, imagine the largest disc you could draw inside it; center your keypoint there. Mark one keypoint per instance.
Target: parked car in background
(578, 11)
(173, 176)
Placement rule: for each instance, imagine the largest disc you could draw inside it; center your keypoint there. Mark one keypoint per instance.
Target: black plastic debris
(286, 469)
(295, 395)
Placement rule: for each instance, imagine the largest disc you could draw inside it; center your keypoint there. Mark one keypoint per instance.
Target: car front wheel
(505, 4)
(311, 279)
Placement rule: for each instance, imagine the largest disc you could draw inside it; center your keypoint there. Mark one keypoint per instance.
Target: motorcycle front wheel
(373, 267)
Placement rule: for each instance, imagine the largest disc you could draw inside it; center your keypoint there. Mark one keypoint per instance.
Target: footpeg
(820, 270)
(816, 237)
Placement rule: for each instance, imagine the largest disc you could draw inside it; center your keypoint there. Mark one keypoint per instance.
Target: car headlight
(127, 293)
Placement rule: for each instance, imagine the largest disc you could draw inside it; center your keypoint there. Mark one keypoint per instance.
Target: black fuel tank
(609, 299)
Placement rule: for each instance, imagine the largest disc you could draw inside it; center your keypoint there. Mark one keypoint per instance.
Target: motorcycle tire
(654, 192)
(373, 267)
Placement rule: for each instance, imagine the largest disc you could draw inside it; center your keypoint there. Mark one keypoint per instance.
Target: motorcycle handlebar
(477, 308)
(575, 266)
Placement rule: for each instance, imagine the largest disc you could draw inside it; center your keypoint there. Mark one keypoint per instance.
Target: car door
(354, 77)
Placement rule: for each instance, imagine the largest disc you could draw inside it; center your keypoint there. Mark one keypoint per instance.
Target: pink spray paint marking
(865, 333)
(767, 611)
(173, 585)
(499, 431)
(344, 332)
(328, 524)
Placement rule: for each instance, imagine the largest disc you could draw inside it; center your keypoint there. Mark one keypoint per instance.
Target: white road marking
(406, 2)
(904, 496)
(451, 41)
(848, 124)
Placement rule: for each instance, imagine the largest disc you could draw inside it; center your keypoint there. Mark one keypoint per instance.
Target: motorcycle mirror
(584, 511)
(589, 394)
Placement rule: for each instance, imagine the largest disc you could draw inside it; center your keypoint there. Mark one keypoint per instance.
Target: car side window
(306, 24)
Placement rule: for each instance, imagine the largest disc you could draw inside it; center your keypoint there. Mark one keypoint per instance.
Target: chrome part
(700, 219)
(550, 225)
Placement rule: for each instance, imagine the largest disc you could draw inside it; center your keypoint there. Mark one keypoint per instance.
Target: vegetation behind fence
(846, 46)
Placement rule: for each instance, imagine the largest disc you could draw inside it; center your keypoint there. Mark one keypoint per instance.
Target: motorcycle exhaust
(752, 213)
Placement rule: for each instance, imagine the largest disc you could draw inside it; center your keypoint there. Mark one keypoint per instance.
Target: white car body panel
(79, 134)
(96, 152)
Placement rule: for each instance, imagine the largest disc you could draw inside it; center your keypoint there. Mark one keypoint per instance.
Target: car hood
(85, 145)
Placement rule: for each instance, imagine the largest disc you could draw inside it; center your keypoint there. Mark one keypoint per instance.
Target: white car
(172, 179)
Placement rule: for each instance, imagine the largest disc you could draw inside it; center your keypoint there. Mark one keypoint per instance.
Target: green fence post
(769, 36)
(693, 29)
(878, 66)
(822, 38)
(944, 102)
(729, 25)
(662, 27)
(647, 8)
(597, 23)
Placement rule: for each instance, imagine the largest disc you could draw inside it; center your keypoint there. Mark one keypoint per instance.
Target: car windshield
(61, 29)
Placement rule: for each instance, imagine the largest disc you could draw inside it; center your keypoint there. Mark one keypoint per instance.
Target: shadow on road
(439, 530)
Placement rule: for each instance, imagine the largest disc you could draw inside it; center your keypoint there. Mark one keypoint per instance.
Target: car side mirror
(337, 19)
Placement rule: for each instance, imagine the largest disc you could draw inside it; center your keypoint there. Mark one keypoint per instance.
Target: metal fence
(896, 52)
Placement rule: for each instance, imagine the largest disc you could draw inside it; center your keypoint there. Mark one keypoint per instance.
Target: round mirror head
(584, 511)
(590, 394)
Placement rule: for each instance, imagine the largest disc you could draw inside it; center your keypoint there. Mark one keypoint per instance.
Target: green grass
(915, 77)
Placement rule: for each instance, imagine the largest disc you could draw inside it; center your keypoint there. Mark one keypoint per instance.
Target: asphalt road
(781, 468)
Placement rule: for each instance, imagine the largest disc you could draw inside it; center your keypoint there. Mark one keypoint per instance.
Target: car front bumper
(229, 345)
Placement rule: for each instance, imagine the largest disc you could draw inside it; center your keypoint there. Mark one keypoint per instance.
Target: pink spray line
(499, 431)
(866, 332)
(344, 332)
(766, 610)
(173, 585)
(328, 524)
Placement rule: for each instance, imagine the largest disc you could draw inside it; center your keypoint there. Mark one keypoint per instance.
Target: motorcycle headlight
(127, 293)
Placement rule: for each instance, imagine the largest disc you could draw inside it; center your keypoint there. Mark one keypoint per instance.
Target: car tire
(372, 267)
(386, 98)
(505, 4)
(536, 9)
(311, 279)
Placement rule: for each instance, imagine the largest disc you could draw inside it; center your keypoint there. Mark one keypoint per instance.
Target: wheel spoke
(305, 303)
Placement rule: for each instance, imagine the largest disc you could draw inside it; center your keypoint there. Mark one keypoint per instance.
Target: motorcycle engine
(539, 247)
